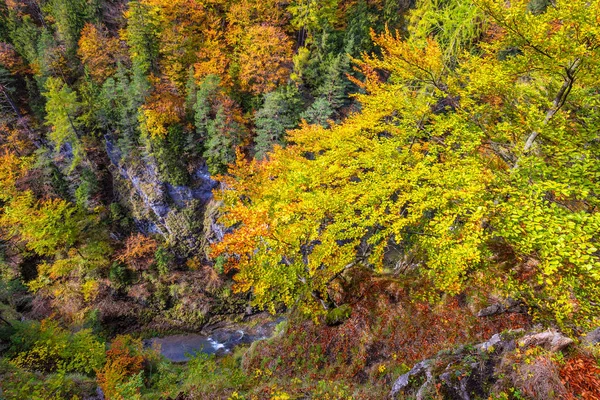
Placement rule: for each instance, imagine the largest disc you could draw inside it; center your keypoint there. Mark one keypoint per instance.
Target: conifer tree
(279, 112)
(62, 109)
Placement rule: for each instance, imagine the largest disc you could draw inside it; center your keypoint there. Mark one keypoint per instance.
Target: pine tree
(279, 112)
(142, 36)
(70, 16)
(320, 112)
(62, 109)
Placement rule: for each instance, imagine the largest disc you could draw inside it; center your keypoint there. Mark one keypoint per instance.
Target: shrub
(47, 347)
(124, 360)
(18, 384)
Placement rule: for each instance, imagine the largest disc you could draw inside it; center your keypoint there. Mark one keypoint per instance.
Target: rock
(491, 310)
(490, 344)
(550, 340)
(592, 337)
(470, 372)
(158, 206)
(422, 367)
(511, 306)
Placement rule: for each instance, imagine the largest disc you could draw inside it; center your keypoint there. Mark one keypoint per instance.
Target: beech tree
(447, 158)
(265, 59)
(98, 52)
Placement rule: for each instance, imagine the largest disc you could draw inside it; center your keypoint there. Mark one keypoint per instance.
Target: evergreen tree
(319, 112)
(332, 92)
(218, 123)
(70, 16)
(279, 112)
(62, 109)
(223, 137)
(142, 37)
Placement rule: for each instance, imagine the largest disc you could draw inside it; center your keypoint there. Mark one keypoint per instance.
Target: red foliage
(581, 375)
(385, 325)
(138, 252)
(123, 360)
(10, 59)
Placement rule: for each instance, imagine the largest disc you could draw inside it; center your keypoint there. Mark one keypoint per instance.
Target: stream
(179, 348)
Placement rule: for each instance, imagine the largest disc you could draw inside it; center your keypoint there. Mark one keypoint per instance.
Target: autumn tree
(163, 108)
(448, 158)
(99, 52)
(138, 252)
(265, 59)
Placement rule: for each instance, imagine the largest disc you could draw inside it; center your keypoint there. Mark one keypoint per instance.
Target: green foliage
(69, 17)
(443, 158)
(47, 347)
(163, 259)
(320, 112)
(208, 375)
(279, 113)
(86, 188)
(18, 384)
(338, 315)
(131, 388)
(62, 107)
(46, 227)
(218, 125)
(169, 153)
(119, 275)
(142, 35)
(456, 25)
(24, 35)
(120, 99)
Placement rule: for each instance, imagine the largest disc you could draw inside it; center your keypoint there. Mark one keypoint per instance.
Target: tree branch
(559, 101)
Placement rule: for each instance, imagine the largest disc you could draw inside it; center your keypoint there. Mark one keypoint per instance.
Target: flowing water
(179, 348)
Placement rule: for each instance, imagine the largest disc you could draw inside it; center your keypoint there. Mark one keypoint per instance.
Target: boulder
(550, 340)
(470, 372)
(592, 338)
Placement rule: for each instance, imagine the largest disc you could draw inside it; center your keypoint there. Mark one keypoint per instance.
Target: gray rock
(163, 205)
(550, 340)
(422, 367)
(492, 343)
(592, 337)
(494, 309)
(511, 306)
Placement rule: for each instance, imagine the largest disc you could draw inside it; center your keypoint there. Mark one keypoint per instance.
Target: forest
(346, 199)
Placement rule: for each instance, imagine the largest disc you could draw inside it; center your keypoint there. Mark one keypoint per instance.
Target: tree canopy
(448, 158)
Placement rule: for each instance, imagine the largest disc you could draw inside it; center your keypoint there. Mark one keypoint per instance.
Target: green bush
(45, 346)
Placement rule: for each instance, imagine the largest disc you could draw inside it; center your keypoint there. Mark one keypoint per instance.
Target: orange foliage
(582, 376)
(16, 5)
(164, 107)
(183, 28)
(265, 59)
(212, 59)
(98, 52)
(11, 60)
(138, 252)
(246, 13)
(123, 360)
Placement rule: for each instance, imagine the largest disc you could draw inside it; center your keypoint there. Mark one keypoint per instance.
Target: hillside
(343, 199)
